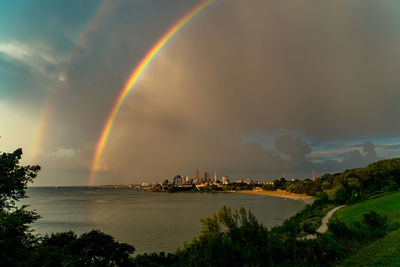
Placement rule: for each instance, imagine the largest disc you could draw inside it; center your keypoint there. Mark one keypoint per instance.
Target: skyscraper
(215, 177)
(178, 180)
(196, 178)
(206, 177)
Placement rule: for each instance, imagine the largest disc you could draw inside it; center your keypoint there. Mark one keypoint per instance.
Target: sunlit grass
(388, 205)
(384, 251)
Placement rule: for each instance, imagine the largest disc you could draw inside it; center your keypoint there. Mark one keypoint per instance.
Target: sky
(259, 89)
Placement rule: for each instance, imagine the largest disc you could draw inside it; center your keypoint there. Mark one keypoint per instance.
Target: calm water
(148, 221)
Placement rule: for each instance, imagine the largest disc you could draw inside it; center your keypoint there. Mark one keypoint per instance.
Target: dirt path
(324, 227)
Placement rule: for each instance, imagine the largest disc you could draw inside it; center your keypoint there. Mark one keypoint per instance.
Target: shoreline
(281, 194)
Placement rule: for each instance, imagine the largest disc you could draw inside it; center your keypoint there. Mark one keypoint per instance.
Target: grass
(384, 251)
(388, 205)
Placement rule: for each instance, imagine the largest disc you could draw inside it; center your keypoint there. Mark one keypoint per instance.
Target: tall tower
(215, 177)
(206, 177)
(197, 175)
(313, 175)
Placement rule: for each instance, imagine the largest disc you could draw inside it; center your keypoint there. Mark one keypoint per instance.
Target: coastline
(280, 193)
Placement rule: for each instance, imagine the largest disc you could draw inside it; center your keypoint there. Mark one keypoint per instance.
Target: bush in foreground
(20, 247)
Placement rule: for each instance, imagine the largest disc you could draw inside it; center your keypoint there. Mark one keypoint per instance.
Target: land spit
(278, 193)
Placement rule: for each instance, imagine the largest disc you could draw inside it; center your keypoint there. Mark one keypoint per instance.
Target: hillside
(384, 251)
(386, 204)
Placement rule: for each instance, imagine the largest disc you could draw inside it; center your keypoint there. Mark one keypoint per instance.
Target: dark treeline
(348, 187)
(227, 238)
(351, 185)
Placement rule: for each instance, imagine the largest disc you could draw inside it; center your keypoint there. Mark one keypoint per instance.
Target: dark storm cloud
(294, 147)
(369, 150)
(353, 159)
(319, 71)
(325, 71)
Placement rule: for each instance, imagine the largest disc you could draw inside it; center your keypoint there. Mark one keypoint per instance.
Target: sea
(151, 222)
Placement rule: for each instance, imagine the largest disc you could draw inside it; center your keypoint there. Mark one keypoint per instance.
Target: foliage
(369, 224)
(227, 238)
(308, 219)
(236, 238)
(14, 179)
(155, 260)
(387, 204)
(382, 252)
(90, 249)
(20, 247)
(350, 186)
(375, 221)
(16, 239)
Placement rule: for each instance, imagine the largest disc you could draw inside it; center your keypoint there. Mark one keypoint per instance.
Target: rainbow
(135, 76)
(39, 130)
(100, 11)
(98, 14)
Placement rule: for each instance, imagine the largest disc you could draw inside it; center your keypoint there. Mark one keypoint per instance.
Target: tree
(20, 247)
(228, 238)
(16, 240)
(90, 249)
(99, 249)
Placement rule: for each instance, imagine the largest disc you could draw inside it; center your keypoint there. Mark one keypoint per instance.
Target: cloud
(294, 147)
(241, 68)
(62, 153)
(322, 74)
(39, 59)
(350, 159)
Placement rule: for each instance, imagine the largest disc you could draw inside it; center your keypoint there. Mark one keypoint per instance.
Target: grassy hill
(387, 204)
(384, 251)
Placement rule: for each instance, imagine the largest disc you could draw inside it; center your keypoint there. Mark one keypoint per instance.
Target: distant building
(268, 182)
(215, 177)
(313, 175)
(196, 178)
(248, 181)
(206, 177)
(225, 180)
(177, 180)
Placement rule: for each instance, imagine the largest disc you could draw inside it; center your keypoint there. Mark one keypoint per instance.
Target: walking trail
(324, 227)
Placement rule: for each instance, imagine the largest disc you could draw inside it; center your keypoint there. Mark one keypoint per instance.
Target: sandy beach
(278, 193)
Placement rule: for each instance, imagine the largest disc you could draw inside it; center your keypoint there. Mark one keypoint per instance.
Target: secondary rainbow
(98, 14)
(39, 132)
(134, 77)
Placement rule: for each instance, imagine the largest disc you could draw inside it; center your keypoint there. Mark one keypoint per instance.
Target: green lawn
(388, 205)
(385, 251)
